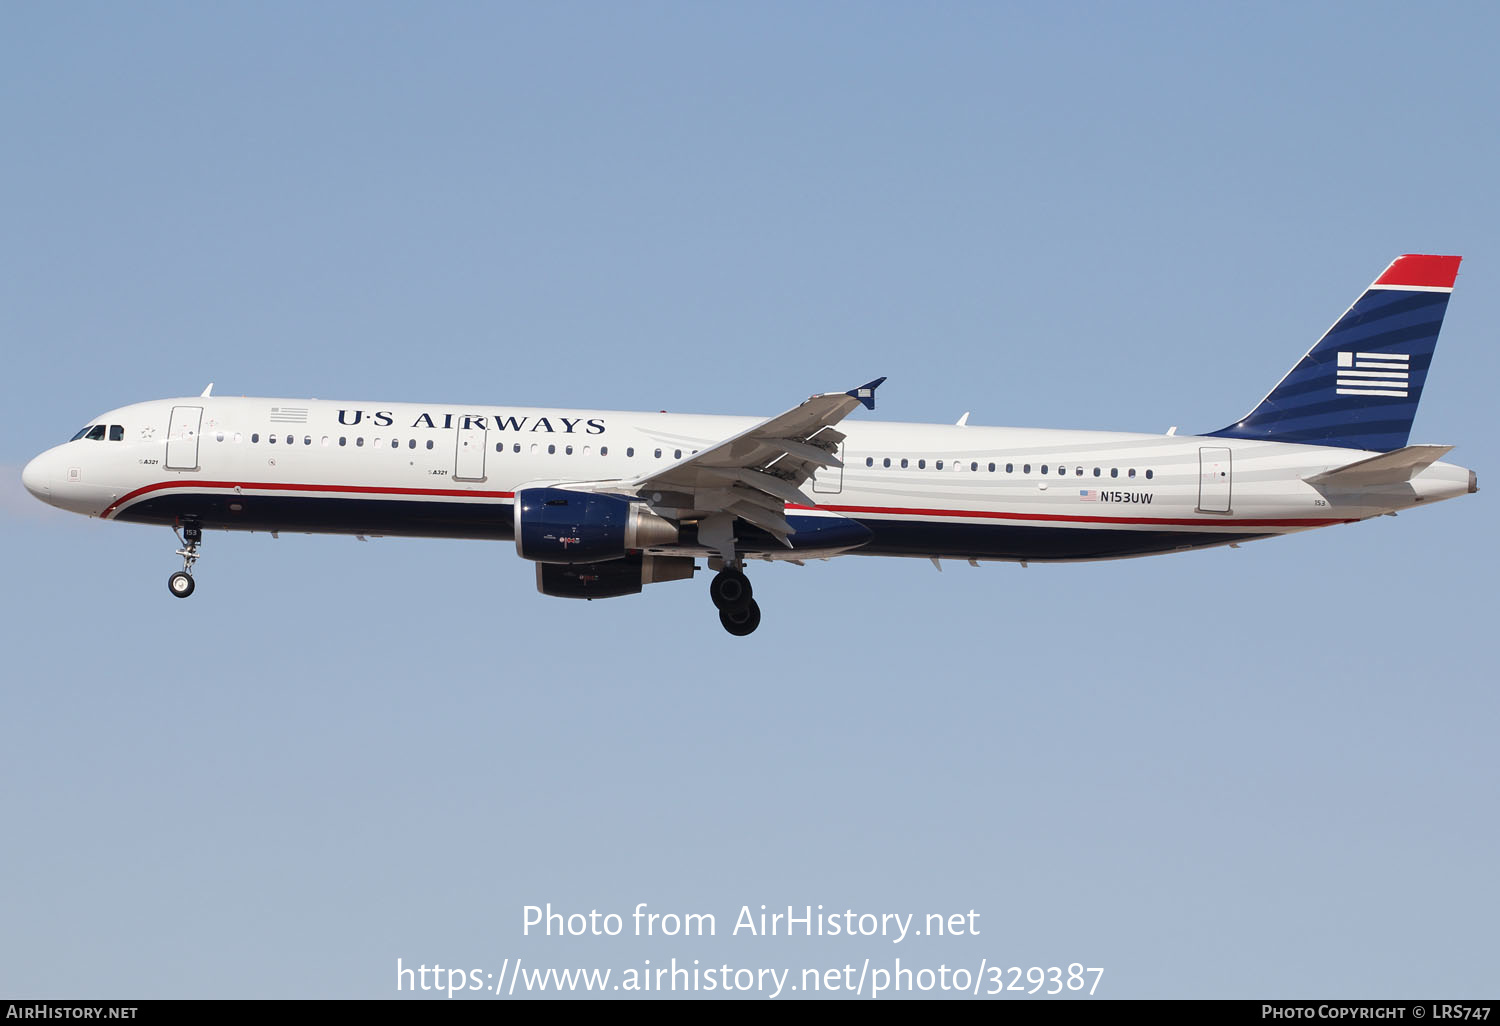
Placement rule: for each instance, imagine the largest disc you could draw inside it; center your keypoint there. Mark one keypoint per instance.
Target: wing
(754, 474)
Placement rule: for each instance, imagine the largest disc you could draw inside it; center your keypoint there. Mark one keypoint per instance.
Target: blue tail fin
(1358, 388)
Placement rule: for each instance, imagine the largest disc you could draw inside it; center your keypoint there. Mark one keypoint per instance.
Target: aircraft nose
(36, 479)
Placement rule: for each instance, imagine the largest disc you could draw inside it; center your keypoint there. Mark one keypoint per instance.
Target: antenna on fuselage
(207, 392)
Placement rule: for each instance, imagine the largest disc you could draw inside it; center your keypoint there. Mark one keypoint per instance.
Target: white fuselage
(922, 489)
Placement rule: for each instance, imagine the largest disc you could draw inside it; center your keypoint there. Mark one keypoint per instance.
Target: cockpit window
(116, 433)
(96, 433)
(81, 432)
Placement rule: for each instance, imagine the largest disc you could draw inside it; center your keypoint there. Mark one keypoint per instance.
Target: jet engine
(609, 580)
(557, 525)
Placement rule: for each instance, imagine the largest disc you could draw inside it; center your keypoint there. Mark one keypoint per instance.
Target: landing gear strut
(181, 583)
(731, 594)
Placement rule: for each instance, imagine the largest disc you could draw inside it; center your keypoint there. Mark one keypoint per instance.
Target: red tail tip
(1417, 270)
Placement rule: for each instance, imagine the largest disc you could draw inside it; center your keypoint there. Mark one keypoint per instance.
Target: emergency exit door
(182, 438)
(830, 480)
(1214, 480)
(469, 465)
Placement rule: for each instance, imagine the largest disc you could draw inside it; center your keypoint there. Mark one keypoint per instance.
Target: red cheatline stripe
(1421, 271)
(968, 514)
(999, 515)
(342, 489)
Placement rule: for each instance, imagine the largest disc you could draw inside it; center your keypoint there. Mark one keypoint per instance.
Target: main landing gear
(181, 583)
(730, 591)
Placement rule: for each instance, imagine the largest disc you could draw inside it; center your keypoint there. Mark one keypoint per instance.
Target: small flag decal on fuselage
(1374, 374)
(1088, 495)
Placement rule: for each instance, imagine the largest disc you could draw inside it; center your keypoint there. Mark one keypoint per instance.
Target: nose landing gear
(731, 594)
(181, 583)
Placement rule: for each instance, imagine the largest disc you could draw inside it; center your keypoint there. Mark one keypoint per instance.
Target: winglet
(866, 393)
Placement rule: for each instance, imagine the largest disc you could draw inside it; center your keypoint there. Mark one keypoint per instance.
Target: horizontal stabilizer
(1395, 467)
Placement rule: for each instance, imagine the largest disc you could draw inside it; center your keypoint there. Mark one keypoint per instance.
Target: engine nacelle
(609, 580)
(557, 525)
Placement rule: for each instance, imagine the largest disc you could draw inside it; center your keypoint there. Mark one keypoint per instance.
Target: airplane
(606, 502)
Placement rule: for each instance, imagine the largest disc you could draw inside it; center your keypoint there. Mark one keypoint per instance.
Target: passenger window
(429, 443)
(343, 439)
(1096, 471)
(1026, 468)
(270, 439)
(238, 438)
(551, 450)
(992, 468)
(375, 442)
(117, 433)
(218, 437)
(254, 437)
(324, 442)
(603, 450)
(1149, 475)
(1132, 472)
(1114, 471)
(359, 442)
(974, 465)
(1010, 468)
(499, 446)
(1080, 471)
(567, 450)
(869, 461)
(658, 454)
(886, 461)
(903, 463)
(939, 464)
(629, 451)
(395, 443)
(1044, 468)
(921, 464)
(677, 454)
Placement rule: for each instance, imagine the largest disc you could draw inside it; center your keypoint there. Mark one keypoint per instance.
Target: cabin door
(1214, 480)
(469, 465)
(182, 438)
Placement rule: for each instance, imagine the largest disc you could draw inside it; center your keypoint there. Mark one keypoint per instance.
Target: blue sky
(1266, 771)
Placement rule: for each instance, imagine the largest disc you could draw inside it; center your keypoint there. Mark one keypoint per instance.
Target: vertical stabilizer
(1358, 388)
